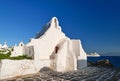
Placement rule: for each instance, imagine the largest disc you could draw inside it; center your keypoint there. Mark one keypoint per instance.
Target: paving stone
(79, 75)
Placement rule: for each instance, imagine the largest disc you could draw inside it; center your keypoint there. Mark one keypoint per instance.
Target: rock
(105, 62)
(45, 69)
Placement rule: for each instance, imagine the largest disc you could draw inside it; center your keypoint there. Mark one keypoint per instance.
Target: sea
(115, 60)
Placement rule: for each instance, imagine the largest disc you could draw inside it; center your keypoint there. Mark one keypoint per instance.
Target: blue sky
(95, 22)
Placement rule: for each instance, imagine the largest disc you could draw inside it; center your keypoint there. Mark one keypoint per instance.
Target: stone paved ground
(86, 74)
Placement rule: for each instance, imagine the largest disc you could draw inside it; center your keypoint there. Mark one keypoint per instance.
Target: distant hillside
(111, 54)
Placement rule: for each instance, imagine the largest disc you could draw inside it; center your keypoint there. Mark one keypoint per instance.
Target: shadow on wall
(81, 64)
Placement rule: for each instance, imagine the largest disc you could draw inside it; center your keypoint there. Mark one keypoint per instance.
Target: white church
(50, 48)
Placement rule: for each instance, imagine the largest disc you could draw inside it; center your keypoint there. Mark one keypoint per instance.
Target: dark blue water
(115, 60)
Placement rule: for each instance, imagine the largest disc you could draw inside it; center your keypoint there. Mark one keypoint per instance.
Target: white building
(50, 48)
(22, 49)
(5, 46)
(18, 50)
(58, 50)
(21, 44)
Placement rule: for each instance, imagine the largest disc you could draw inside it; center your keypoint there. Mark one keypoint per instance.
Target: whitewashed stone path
(86, 74)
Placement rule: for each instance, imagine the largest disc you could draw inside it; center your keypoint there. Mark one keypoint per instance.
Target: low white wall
(76, 47)
(16, 68)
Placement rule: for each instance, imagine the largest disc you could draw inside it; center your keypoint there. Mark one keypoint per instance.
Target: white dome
(21, 44)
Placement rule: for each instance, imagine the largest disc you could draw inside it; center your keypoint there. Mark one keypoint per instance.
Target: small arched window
(21, 44)
(56, 49)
